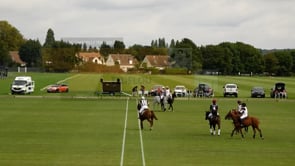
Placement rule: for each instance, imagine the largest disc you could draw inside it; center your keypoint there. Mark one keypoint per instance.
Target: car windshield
(204, 86)
(230, 86)
(179, 88)
(257, 89)
(19, 82)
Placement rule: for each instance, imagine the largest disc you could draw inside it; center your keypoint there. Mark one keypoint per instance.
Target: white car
(230, 90)
(180, 91)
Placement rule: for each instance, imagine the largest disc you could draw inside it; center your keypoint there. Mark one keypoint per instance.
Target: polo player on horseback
(244, 113)
(213, 109)
(143, 105)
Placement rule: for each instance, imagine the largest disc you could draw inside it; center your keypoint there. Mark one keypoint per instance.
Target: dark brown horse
(148, 115)
(213, 121)
(170, 101)
(249, 121)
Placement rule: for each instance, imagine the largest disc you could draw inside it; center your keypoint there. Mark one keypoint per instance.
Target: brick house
(94, 57)
(157, 61)
(125, 61)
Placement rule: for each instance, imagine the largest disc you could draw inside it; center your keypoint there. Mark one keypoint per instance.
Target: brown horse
(213, 121)
(249, 121)
(148, 115)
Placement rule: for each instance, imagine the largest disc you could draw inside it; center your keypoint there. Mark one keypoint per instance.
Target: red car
(58, 88)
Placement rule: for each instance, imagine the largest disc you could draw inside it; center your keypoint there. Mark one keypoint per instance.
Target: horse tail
(154, 115)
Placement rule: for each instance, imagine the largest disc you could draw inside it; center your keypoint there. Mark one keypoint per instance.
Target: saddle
(241, 121)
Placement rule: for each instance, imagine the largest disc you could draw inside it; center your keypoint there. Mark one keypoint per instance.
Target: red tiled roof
(158, 60)
(89, 54)
(15, 57)
(125, 59)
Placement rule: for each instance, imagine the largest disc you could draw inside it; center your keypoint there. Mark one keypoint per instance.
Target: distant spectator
(142, 89)
(134, 91)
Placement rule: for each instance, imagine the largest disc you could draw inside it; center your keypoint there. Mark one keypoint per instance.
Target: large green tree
(5, 59)
(292, 53)
(10, 40)
(119, 47)
(105, 49)
(49, 40)
(61, 57)
(10, 36)
(251, 58)
(285, 63)
(186, 53)
(30, 52)
(234, 55)
(271, 63)
(217, 58)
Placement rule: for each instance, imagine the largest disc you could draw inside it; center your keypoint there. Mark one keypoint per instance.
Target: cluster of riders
(239, 116)
(213, 111)
(162, 96)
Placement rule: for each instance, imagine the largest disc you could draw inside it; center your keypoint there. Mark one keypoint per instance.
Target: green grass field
(50, 131)
(82, 129)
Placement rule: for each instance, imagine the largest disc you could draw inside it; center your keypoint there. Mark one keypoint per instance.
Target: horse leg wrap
(218, 132)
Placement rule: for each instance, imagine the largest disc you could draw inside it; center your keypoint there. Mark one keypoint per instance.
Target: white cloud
(262, 23)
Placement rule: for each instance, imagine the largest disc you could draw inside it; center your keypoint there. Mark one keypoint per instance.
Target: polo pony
(249, 121)
(213, 121)
(148, 115)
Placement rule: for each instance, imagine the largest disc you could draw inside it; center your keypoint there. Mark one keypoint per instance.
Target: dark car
(278, 91)
(258, 92)
(58, 88)
(203, 90)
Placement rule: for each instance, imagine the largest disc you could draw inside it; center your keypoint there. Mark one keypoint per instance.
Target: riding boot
(241, 122)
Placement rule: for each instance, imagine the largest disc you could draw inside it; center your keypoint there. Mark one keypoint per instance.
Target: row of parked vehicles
(26, 85)
(204, 90)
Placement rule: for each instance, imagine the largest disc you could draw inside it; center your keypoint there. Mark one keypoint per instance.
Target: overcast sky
(262, 23)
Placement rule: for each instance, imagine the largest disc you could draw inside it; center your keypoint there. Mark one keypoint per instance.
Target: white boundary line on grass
(141, 140)
(61, 81)
(141, 143)
(124, 133)
(124, 137)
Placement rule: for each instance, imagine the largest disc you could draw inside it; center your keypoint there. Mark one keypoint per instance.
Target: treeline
(226, 58)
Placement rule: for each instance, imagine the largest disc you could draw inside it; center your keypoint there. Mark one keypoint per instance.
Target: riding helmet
(142, 97)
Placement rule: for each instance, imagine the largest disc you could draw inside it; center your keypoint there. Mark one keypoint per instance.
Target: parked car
(230, 90)
(203, 90)
(154, 90)
(58, 88)
(278, 91)
(180, 90)
(258, 92)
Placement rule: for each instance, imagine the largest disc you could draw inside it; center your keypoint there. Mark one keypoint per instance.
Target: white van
(22, 85)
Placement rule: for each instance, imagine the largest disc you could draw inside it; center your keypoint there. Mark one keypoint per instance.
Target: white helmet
(142, 97)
